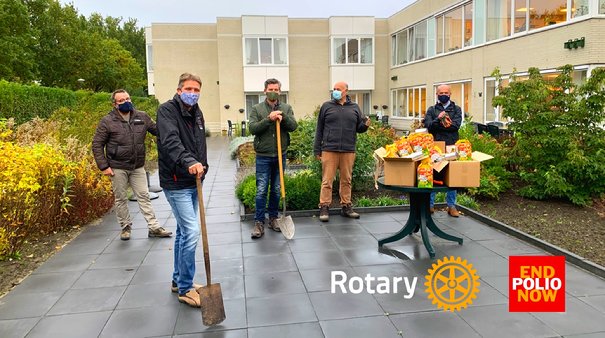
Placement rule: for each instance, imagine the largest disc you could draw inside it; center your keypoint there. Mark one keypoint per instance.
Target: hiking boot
(159, 232)
(273, 225)
(324, 213)
(175, 288)
(453, 212)
(432, 210)
(347, 211)
(125, 234)
(258, 231)
(191, 298)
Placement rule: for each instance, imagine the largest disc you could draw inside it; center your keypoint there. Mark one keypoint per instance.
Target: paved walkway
(100, 286)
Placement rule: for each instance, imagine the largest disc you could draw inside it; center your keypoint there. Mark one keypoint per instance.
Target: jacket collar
(347, 101)
(116, 114)
(184, 111)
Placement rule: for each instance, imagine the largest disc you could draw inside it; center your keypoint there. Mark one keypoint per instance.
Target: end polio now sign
(536, 284)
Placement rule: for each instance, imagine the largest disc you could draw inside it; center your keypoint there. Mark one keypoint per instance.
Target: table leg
(412, 225)
(439, 233)
(425, 218)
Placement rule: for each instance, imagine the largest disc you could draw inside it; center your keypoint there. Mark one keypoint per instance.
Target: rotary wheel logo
(452, 284)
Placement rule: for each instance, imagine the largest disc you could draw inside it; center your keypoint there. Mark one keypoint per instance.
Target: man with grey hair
(183, 160)
(119, 150)
(338, 123)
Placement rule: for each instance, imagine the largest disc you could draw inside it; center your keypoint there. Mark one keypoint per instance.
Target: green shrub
(300, 149)
(23, 102)
(559, 137)
(381, 201)
(302, 191)
(467, 201)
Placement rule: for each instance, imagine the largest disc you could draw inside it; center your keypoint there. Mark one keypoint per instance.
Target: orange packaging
(425, 174)
(464, 150)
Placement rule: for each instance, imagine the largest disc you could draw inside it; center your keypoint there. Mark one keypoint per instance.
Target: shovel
(286, 225)
(211, 296)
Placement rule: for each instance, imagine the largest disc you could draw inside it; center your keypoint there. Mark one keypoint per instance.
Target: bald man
(338, 123)
(443, 121)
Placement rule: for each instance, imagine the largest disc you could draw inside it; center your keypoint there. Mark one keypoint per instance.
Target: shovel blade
(286, 225)
(213, 309)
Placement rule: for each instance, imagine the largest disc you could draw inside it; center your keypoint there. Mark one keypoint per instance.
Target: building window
(410, 44)
(579, 8)
(601, 6)
(455, 29)
(546, 12)
(352, 50)
(255, 98)
(409, 102)
(498, 19)
(265, 51)
(149, 58)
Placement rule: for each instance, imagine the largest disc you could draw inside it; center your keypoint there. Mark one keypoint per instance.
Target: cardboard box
(441, 145)
(465, 174)
(397, 171)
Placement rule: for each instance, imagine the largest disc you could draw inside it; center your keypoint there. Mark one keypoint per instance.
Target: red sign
(536, 284)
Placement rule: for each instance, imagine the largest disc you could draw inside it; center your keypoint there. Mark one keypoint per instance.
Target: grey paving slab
(219, 334)
(141, 322)
(231, 287)
(382, 227)
(44, 282)
(66, 263)
(433, 324)
(255, 265)
(26, 305)
(149, 295)
(276, 310)
(104, 278)
(339, 306)
(357, 257)
(597, 302)
(225, 251)
(118, 246)
(74, 325)
(579, 283)
(378, 326)
(345, 230)
(320, 259)
(496, 321)
(578, 318)
(302, 330)
(87, 300)
(152, 274)
(265, 248)
(319, 279)
(269, 284)
(17, 327)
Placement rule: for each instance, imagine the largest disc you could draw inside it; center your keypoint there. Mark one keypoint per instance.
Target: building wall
(230, 70)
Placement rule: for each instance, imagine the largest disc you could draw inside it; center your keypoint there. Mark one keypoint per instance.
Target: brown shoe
(125, 234)
(191, 298)
(453, 212)
(432, 210)
(159, 232)
(324, 213)
(258, 231)
(347, 211)
(273, 225)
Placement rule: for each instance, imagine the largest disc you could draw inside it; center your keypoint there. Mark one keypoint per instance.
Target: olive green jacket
(264, 131)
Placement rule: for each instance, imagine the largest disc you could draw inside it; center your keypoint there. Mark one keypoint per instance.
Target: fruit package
(464, 150)
(436, 154)
(425, 174)
(421, 142)
(400, 148)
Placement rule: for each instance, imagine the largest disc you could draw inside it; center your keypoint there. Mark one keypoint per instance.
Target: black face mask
(443, 98)
(126, 107)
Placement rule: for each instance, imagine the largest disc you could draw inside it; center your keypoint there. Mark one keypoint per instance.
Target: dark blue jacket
(441, 133)
(337, 127)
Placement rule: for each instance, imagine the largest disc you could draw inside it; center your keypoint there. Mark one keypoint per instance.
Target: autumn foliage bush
(46, 185)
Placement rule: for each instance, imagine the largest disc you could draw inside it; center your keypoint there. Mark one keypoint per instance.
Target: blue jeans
(450, 198)
(185, 209)
(267, 173)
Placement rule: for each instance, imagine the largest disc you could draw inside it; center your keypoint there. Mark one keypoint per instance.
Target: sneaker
(324, 213)
(159, 232)
(453, 212)
(125, 234)
(175, 288)
(347, 211)
(191, 298)
(258, 231)
(273, 225)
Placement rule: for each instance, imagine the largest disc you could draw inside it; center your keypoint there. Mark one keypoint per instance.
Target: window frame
(346, 51)
(259, 51)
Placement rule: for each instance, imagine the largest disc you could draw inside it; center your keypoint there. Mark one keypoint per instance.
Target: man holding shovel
(182, 157)
(262, 124)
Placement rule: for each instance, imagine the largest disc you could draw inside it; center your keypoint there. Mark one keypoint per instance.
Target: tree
(16, 38)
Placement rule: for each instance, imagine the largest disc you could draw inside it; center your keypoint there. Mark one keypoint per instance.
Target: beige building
(392, 65)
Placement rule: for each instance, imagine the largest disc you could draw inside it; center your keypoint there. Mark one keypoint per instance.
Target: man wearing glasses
(119, 150)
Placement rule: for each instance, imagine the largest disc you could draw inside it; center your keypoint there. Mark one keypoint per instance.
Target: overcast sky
(200, 11)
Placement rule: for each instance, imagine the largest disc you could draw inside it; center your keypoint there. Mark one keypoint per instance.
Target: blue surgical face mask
(336, 94)
(443, 98)
(126, 107)
(189, 99)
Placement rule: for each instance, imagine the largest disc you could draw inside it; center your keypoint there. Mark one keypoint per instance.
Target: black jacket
(337, 127)
(441, 133)
(181, 143)
(120, 144)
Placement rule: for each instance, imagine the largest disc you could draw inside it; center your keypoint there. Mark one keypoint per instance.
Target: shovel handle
(279, 160)
(200, 200)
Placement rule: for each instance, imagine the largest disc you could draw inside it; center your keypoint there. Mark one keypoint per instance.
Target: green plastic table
(420, 216)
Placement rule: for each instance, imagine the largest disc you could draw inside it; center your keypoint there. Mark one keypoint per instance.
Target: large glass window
(439, 34)
(409, 102)
(579, 8)
(410, 44)
(352, 50)
(453, 30)
(420, 40)
(498, 19)
(520, 16)
(601, 6)
(362, 99)
(402, 47)
(265, 51)
(468, 24)
(546, 12)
